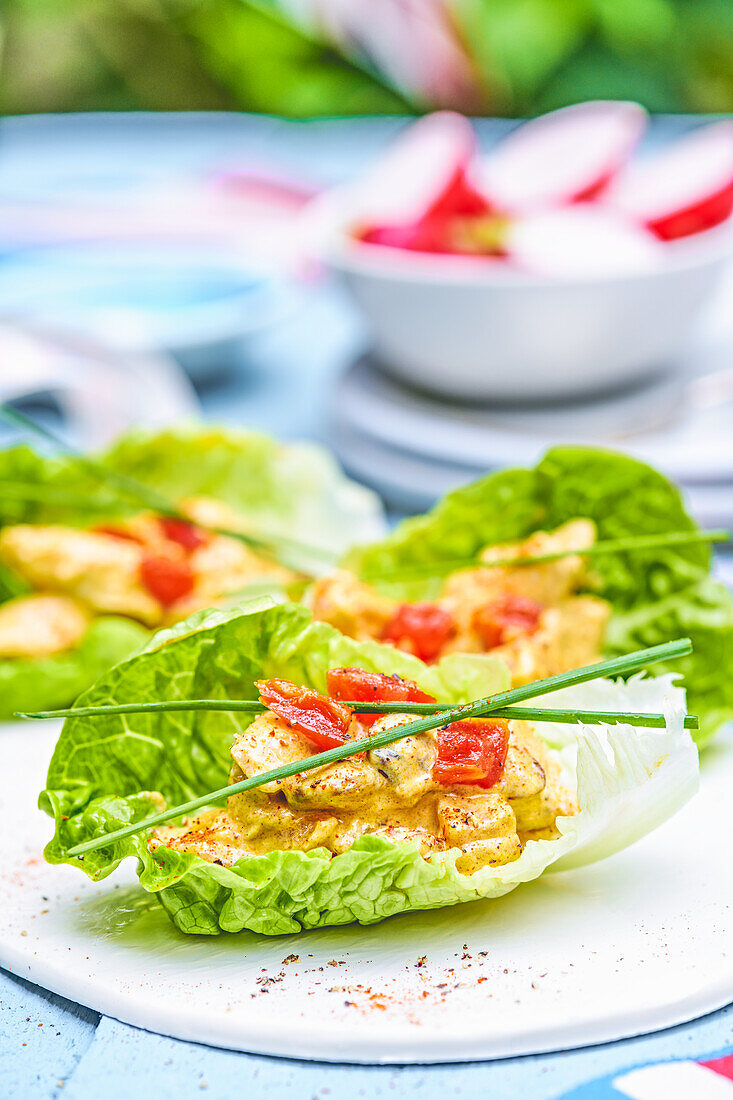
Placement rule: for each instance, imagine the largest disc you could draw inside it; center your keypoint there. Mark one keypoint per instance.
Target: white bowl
(476, 328)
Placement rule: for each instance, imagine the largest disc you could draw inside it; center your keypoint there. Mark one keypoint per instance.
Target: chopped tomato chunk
(472, 751)
(323, 721)
(116, 533)
(186, 534)
(420, 628)
(358, 685)
(505, 618)
(167, 579)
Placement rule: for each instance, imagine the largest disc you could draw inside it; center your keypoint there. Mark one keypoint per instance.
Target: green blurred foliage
(528, 56)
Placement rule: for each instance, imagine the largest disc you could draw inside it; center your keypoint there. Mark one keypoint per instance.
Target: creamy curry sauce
(388, 792)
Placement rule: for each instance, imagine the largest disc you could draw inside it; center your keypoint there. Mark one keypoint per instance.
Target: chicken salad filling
(536, 618)
(484, 787)
(152, 569)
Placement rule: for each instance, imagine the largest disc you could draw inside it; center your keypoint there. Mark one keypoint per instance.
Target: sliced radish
(567, 156)
(685, 188)
(429, 235)
(581, 242)
(423, 174)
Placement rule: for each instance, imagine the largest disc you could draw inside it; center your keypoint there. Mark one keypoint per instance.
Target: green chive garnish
(254, 706)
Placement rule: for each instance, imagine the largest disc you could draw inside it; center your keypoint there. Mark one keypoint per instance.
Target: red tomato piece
(167, 579)
(472, 751)
(323, 721)
(505, 618)
(420, 628)
(116, 533)
(186, 534)
(358, 685)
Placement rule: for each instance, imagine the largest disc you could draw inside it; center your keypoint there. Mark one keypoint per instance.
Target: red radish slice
(423, 173)
(428, 235)
(566, 156)
(581, 242)
(684, 189)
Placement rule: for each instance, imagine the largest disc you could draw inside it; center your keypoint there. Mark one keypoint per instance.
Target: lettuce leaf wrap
(656, 594)
(103, 771)
(294, 490)
(288, 489)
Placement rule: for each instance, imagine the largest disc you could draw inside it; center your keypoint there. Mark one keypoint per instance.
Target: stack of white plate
(412, 447)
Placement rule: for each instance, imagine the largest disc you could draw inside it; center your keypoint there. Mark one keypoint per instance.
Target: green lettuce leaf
(105, 772)
(287, 490)
(656, 594)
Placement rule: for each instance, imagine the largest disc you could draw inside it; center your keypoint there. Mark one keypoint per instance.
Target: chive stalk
(254, 706)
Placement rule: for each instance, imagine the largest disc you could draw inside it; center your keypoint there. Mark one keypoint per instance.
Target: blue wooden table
(52, 1048)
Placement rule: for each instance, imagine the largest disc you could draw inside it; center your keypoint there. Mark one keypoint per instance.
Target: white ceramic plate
(409, 482)
(634, 944)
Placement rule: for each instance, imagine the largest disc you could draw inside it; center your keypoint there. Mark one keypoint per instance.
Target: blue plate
(195, 303)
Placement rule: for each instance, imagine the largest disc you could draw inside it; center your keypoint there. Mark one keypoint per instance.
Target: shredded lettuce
(286, 490)
(103, 772)
(656, 594)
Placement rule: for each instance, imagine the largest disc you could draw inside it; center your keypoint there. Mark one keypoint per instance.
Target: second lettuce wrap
(656, 594)
(291, 490)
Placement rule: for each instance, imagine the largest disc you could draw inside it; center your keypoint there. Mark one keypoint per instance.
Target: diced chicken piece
(581, 629)
(539, 811)
(348, 785)
(465, 817)
(269, 742)
(39, 626)
(523, 775)
(482, 826)
(146, 528)
(427, 843)
(354, 608)
(407, 765)
(104, 572)
(467, 590)
(553, 581)
(222, 568)
(542, 810)
(224, 565)
(493, 853)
